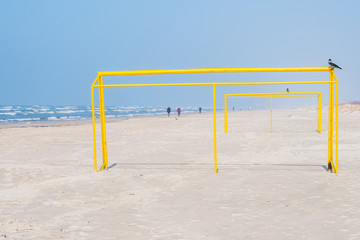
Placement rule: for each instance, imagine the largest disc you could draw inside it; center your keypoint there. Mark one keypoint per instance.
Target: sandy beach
(161, 182)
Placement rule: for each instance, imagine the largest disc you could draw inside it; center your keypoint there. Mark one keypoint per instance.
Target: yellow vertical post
(93, 119)
(320, 112)
(102, 121)
(331, 124)
(271, 115)
(337, 126)
(225, 114)
(214, 113)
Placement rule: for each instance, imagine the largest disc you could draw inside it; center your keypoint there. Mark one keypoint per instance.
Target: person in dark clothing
(168, 111)
(200, 110)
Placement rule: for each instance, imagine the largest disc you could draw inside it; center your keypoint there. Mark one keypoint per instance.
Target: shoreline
(37, 115)
(59, 123)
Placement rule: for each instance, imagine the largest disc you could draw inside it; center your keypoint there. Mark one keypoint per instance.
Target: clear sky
(51, 51)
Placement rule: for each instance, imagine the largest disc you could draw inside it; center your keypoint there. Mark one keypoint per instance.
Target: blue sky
(51, 51)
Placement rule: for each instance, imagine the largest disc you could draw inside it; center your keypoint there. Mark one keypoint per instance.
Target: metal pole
(271, 116)
(320, 113)
(225, 113)
(331, 124)
(214, 113)
(103, 128)
(210, 84)
(214, 70)
(93, 121)
(337, 126)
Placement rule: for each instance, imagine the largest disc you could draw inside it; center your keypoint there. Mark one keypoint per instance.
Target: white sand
(162, 185)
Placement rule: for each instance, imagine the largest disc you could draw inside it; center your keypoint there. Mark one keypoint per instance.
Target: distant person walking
(179, 111)
(168, 111)
(200, 110)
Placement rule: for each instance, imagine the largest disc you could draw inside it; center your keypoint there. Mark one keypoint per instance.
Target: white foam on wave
(49, 112)
(120, 110)
(70, 111)
(8, 113)
(6, 108)
(157, 110)
(21, 120)
(44, 109)
(53, 118)
(66, 108)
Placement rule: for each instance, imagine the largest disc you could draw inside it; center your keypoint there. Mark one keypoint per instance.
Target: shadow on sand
(229, 166)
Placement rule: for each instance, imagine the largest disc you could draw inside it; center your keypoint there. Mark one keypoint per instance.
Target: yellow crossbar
(214, 70)
(210, 84)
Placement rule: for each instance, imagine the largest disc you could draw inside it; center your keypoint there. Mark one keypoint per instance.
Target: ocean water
(14, 114)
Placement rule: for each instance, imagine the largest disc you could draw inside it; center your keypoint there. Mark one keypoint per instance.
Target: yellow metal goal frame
(98, 82)
(271, 95)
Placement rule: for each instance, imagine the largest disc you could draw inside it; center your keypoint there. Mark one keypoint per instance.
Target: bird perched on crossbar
(287, 90)
(333, 64)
